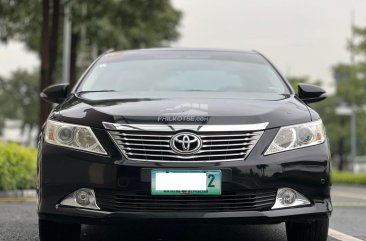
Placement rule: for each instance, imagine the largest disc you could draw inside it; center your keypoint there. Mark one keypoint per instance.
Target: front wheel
(312, 231)
(53, 231)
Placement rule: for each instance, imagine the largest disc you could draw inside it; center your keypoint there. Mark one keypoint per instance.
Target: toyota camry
(197, 135)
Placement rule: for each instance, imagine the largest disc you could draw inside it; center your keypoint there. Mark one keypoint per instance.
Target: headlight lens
(297, 136)
(73, 136)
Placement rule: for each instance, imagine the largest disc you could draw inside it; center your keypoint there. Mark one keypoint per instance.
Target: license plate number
(185, 182)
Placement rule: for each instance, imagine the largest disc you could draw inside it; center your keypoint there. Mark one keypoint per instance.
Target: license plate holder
(186, 182)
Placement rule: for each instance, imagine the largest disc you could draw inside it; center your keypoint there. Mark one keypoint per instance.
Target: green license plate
(185, 182)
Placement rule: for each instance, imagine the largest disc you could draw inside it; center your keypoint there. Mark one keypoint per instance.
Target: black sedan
(183, 135)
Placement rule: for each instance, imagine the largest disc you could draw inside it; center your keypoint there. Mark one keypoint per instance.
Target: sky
(301, 37)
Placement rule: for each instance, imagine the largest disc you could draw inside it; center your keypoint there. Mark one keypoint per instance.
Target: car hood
(94, 108)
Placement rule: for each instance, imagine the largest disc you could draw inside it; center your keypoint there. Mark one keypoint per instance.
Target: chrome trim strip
(171, 151)
(194, 156)
(183, 161)
(176, 127)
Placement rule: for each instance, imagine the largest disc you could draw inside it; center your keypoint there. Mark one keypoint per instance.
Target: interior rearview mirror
(311, 93)
(55, 93)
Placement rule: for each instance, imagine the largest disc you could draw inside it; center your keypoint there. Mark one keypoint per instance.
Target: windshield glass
(183, 73)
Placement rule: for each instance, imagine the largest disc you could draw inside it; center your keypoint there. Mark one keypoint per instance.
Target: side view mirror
(311, 93)
(55, 93)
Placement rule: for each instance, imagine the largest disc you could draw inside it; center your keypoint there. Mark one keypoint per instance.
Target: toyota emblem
(186, 143)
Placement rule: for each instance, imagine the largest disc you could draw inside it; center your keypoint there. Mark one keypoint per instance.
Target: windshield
(183, 73)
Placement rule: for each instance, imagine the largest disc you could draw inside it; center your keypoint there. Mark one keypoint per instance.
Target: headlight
(72, 136)
(297, 136)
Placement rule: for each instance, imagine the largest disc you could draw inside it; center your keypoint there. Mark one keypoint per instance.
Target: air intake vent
(256, 200)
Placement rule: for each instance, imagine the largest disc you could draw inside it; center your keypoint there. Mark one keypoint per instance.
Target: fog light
(83, 197)
(287, 197)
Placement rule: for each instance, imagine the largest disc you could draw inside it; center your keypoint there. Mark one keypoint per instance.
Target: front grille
(259, 200)
(155, 145)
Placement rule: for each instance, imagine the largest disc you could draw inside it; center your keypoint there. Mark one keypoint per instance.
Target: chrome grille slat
(129, 139)
(124, 134)
(231, 144)
(227, 140)
(139, 144)
(240, 135)
(188, 157)
(171, 151)
(154, 146)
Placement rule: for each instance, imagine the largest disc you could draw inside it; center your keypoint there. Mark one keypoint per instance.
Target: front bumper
(62, 171)
(302, 214)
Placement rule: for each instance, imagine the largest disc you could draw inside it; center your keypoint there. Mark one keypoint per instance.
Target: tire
(52, 231)
(312, 231)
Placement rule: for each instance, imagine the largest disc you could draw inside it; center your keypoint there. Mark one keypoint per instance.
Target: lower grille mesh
(243, 201)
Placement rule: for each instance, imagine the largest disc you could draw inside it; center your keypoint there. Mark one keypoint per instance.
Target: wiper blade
(197, 90)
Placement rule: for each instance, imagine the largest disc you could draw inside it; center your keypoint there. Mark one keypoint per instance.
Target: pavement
(18, 221)
(349, 214)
